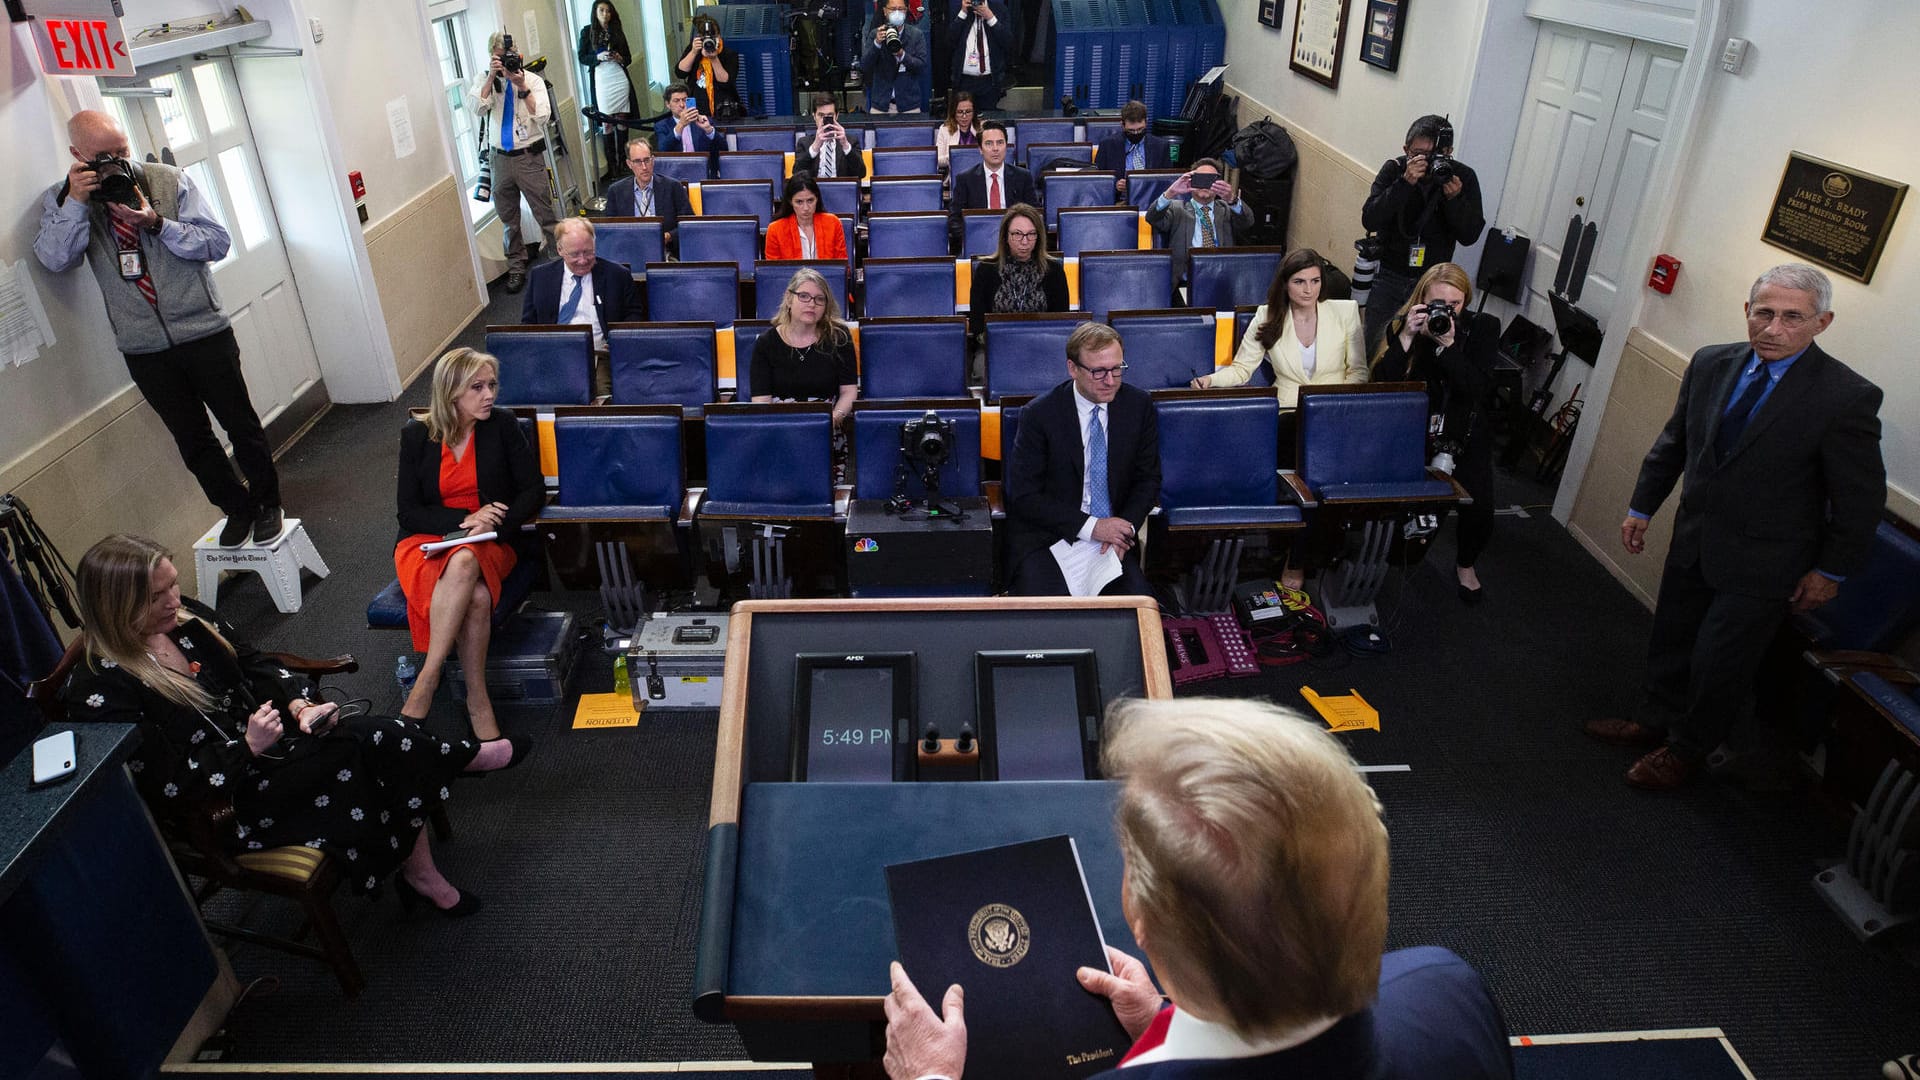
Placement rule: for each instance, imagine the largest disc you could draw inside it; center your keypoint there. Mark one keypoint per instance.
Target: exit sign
(82, 45)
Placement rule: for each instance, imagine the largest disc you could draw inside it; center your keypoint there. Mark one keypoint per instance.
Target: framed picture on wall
(1319, 37)
(1269, 13)
(1380, 37)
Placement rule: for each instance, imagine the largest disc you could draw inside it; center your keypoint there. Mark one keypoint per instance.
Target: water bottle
(404, 672)
(622, 685)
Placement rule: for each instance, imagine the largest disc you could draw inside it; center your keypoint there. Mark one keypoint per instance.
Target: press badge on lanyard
(1417, 256)
(132, 264)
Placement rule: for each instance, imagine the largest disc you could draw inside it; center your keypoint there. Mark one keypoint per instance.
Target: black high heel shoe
(411, 897)
(521, 746)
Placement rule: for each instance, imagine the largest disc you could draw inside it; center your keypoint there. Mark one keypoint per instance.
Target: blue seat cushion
(388, 609)
(659, 512)
(730, 508)
(1416, 489)
(1894, 699)
(1193, 517)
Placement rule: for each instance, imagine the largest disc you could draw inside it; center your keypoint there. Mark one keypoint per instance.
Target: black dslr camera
(1440, 162)
(1439, 317)
(116, 180)
(510, 58)
(891, 39)
(927, 443)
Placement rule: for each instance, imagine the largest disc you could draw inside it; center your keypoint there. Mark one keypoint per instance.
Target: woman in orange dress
(467, 468)
(802, 230)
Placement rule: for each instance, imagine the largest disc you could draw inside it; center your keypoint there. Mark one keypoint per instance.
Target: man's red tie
(129, 236)
(993, 191)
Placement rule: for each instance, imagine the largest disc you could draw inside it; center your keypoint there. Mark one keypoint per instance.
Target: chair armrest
(1458, 491)
(344, 664)
(1837, 664)
(996, 499)
(1297, 486)
(690, 504)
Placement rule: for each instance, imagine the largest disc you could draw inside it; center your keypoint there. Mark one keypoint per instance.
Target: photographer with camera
(518, 136)
(684, 130)
(152, 240)
(984, 52)
(829, 151)
(710, 67)
(1423, 203)
(895, 56)
(1435, 339)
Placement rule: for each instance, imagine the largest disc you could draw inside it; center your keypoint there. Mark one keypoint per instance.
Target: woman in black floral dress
(221, 722)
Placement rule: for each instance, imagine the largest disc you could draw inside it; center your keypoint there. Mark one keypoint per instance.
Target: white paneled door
(1597, 112)
(203, 125)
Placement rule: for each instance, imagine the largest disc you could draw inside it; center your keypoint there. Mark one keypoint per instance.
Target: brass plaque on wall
(1835, 216)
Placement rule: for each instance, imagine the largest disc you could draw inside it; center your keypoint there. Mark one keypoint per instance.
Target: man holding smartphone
(683, 130)
(983, 51)
(829, 152)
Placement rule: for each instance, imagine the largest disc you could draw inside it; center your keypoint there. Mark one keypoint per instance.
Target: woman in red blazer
(801, 231)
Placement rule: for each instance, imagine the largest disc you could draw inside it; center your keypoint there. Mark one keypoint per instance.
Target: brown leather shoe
(1623, 732)
(1662, 770)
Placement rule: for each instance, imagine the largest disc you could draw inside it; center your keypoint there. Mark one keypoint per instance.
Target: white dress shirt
(586, 314)
(529, 111)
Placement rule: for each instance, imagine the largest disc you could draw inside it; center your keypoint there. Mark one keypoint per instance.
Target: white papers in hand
(1086, 568)
(470, 538)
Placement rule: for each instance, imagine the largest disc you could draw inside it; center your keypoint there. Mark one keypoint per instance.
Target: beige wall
(424, 310)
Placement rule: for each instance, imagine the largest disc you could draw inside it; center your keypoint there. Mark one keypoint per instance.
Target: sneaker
(267, 524)
(516, 280)
(234, 531)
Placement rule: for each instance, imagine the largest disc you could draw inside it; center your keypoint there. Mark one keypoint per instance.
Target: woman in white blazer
(1311, 340)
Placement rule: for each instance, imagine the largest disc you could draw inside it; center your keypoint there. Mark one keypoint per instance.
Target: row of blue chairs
(1022, 134)
(919, 160)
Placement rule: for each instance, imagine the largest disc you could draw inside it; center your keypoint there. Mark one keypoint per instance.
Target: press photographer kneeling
(1435, 339)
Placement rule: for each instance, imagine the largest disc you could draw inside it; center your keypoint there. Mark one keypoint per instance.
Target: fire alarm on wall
(1666, 269)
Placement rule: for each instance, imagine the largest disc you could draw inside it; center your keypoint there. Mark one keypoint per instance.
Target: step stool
(278, 563)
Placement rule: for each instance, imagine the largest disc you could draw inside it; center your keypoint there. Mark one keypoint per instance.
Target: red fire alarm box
(1666, 269)
(359, 185)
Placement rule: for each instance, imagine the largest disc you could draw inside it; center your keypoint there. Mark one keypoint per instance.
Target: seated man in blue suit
(581, 288)
(683, 130)
(1131, 148)
(1262, 906)
(646, 194)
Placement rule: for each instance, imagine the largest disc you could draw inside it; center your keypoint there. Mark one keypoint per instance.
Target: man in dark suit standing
(1779, 447)
(1131, 148)
(645, 194)
(985, 51)
(582, 289)
(994, 184)
(1200, 210)
(1084, 473)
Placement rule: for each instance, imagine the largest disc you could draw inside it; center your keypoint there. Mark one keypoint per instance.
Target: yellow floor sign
(1349, 712)
(605, 711)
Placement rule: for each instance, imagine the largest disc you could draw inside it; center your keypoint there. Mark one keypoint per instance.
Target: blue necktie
(1099, 502)
(506, 121)
(573, 302)
(1737, 416)
(1137, 155)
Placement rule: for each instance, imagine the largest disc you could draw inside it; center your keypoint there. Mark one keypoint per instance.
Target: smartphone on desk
(54, 758)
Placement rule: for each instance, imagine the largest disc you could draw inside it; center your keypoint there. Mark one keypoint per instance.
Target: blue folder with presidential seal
(1011, 925)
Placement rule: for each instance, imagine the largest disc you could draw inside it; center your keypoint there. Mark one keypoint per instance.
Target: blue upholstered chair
(684, 290)
(736, 198)
(1145, 186)
(961, 158)
(913, 358)
(543, 365)
(907, 236)
(1041, 130)
(1877, 607)
(982, 232)
(710, 239)
(686, 168)
(1125, 280)
(773, 276)
(614, 522)
(632, 241)
(1065, 189)
(876, 446)
(903, 194)
(664, 363)
(1040, 157)
(769, 165)
(1095, 130)
(1097, 228)
(1219, 489)
(1166, 349)
(1223, 279)
(1027, 353)
(916, 161)
(895, 136)
(770, 494)
(902, 287)
(840, 196)
(746, 334)
(1242, 322)
(782, 139)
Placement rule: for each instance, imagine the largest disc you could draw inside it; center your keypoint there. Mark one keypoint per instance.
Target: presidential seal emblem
(999, 936)
(1838, 185)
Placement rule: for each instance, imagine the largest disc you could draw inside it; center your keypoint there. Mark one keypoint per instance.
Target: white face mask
(897, 18)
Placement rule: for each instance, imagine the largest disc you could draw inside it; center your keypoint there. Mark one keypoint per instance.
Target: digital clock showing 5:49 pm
(878, 736)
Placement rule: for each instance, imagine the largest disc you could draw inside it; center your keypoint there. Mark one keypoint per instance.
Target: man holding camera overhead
(1423, 203)
(892, 63)
(512, 109)
(152, 240)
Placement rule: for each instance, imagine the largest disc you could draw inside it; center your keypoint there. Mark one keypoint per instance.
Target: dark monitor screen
(851, 725)
(1037, 723)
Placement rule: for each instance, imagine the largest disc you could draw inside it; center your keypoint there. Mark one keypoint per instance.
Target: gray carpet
(1588, 906)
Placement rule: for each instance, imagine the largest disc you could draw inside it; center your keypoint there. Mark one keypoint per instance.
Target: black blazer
(1048, 463)
(1801, 490)
(589, 47)
(986, 282)
(506, 468)
(1110, 154)
(970, 192)
(615, 296)
(670, 201)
